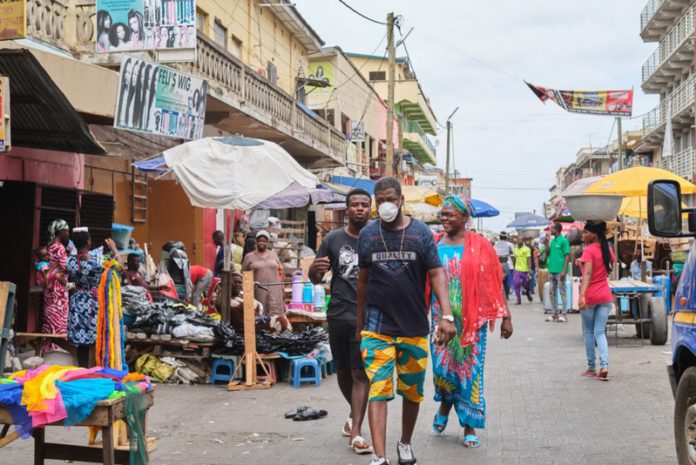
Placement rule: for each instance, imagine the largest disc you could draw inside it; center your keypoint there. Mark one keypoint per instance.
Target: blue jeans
(594, 323)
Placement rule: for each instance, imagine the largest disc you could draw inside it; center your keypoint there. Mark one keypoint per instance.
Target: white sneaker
(405, 454)
(379, 461)
(562, 319)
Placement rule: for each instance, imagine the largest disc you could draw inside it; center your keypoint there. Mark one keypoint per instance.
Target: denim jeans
(594, 323)
(557, 284)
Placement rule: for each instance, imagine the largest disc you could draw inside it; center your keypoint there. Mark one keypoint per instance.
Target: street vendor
(268, 272)
(55, 318)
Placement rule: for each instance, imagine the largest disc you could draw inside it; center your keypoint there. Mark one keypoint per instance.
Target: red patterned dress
(56, 302)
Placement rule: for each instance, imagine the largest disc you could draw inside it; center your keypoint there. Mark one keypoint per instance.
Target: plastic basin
(602, 207)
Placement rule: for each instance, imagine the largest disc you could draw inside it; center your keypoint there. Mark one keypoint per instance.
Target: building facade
(669, 72)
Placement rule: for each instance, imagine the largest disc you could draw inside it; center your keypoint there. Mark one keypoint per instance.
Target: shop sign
(322, 71)
(600, 102)
(156, 99)
(5, 132)
(13, 19)
(132, 25)
(357, 131)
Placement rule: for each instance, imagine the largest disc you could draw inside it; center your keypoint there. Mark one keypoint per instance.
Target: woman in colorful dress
(85, 270)
(474, 275)
(55, 318)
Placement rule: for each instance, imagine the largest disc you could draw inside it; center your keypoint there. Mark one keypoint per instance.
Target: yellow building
(412, 105)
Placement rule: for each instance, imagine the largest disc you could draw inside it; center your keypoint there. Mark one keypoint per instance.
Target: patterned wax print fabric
(82, 317)
(458, 370)
(55, 318)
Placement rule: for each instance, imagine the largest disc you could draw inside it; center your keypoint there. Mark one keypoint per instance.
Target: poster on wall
(601, 102)
(5, 131)
(131, 25)
(13, 19)
(159, 100)
(357, 131)
(322, 71)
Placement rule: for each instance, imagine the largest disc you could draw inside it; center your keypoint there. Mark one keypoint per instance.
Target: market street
(539, 412)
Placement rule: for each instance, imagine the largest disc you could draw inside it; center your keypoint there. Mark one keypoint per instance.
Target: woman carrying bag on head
(595, 296)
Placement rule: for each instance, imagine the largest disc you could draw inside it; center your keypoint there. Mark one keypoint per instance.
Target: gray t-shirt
(342, 250)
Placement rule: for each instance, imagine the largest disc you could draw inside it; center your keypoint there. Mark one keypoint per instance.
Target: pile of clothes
(229, 342)
(51, 394)
(166, 369)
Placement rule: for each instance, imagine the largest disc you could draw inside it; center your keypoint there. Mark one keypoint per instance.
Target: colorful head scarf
(459, 203)
(54, 227)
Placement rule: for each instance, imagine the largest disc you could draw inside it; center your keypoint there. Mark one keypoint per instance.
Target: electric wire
(361, 14)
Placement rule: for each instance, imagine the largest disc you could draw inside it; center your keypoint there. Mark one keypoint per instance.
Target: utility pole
(390, 94)
(620, 140)
(447, 161)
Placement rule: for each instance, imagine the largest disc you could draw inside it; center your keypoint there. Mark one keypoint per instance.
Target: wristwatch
(449, 318)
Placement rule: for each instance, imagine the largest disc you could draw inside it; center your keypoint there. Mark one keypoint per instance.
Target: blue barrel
(665, 285)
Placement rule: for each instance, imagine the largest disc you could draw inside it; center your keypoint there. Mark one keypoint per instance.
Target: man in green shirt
(559, 256)
(522, 256)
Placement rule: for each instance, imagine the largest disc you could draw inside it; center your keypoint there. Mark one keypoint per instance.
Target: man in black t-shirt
(339, 254)
(397, 254)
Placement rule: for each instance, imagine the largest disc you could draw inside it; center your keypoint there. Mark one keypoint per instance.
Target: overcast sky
(504, 137)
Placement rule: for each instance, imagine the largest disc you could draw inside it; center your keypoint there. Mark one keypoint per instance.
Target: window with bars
(378, 75)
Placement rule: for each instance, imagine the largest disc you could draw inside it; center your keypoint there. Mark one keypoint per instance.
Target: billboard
(12, 19)
(601, 102)
(131, 25)
(159, 100)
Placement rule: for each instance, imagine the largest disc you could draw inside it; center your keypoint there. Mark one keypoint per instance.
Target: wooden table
(105, 415)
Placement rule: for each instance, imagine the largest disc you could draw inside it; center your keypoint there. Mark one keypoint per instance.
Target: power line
(362, 15)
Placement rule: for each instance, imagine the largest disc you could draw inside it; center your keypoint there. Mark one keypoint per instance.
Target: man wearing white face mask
(397, 255)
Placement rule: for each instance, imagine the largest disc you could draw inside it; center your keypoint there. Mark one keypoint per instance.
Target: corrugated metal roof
(41, 116)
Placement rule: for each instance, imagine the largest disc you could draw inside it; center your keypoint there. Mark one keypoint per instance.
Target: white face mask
(388, 211)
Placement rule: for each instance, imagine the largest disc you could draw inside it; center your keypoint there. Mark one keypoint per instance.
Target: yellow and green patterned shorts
(410, 355)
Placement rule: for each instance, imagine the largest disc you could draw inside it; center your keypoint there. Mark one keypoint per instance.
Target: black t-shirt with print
(396, 286)
(342, 250)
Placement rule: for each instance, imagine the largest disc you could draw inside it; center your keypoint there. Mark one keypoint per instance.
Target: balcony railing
(649, 11)
(681, 32)
(414, 127)
(69, 25)
(681, 99)
(681, 163)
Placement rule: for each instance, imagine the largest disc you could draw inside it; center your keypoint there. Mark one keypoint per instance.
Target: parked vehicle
(665, 219)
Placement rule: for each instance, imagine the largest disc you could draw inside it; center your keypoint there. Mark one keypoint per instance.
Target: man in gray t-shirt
(505, 249)
(339, 254)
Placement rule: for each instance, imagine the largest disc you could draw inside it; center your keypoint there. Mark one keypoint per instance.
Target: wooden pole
(390, 94)
(249, 327)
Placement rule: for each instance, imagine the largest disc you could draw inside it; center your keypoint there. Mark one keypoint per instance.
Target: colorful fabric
(55, 320)
(109, 347)
(481, 291)
(522, 255)
(559, 249)
(457, 368)
(82, 315)
(382, 353)
(459, 203)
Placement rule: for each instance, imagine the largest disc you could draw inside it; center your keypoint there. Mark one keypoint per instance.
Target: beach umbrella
(529, 221)
(634, 182)
(483, 209)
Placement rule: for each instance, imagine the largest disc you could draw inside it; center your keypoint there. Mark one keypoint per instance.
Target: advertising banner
(5, 131)
(601, 102)
(124, 25)
(159, 100)
(322, 71)
(13, 19)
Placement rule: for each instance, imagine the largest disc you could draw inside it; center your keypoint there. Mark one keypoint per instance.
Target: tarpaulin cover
(235, 172)
(152, 165)
(367, 184)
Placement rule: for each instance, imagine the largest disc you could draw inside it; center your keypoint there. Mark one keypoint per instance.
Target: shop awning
(41, 115)
(354, 183)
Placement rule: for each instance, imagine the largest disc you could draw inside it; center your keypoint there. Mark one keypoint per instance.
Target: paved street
(539, 412)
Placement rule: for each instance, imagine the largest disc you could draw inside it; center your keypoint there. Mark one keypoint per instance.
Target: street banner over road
(159, 100)
(601, 102)
(132, 25)
(13, 19)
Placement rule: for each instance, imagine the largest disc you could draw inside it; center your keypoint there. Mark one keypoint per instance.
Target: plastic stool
(272, 373)
(309, 364)
(228, 370)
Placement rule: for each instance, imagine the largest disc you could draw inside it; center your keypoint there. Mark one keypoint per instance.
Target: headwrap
(459, 203)
(54, 227)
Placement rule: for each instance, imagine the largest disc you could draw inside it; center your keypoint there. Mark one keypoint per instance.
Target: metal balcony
(673, 56)
(681, 101)
(658, 16)
(417, 142)
(682, 163)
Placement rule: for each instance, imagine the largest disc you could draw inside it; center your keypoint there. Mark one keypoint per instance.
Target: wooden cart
(636, 304)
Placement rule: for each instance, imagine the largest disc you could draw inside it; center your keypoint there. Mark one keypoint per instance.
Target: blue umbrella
(529, 221)
(483, 210)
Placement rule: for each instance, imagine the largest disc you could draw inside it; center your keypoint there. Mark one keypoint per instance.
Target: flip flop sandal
(349, 423)
(471, 441)
(439, 423)
(296, 411)
(603, 375)
(354, 444)
(589, 374)
(310, 414)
